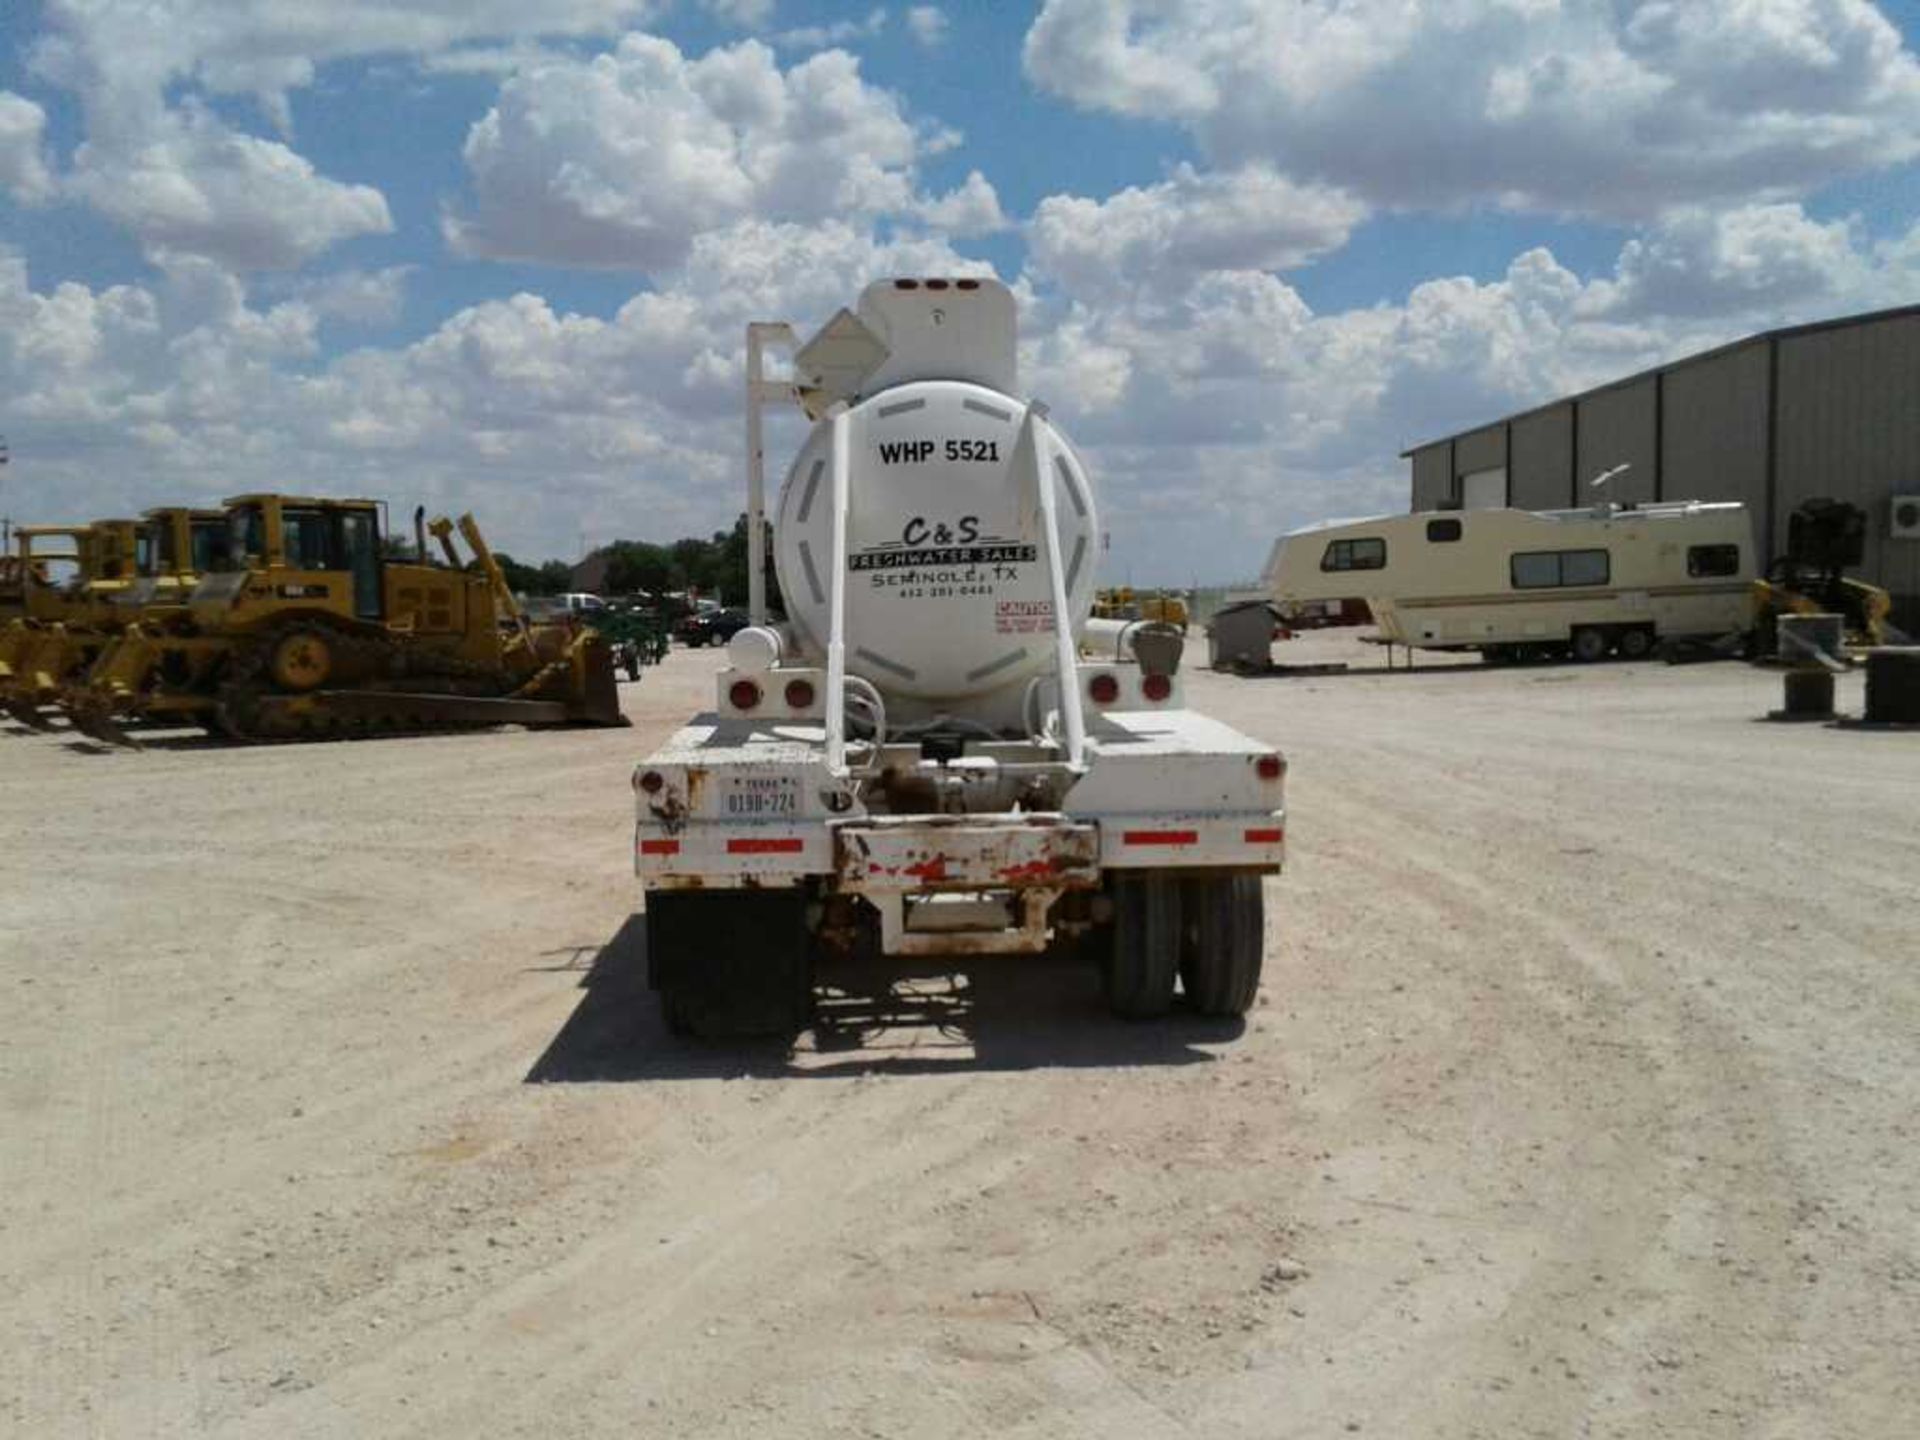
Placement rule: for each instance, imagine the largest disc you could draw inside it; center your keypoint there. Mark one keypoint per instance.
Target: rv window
(1439, 530)
(1548, 569)
(1367, 554)
(1583, 567)
(1709, 560)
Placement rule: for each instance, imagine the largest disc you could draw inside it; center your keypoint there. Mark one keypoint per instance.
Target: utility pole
(6, 521)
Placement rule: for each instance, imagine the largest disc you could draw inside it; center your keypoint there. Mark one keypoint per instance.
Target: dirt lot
(1583, 1098)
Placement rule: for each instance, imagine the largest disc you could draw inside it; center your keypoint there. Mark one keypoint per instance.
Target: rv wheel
(1589, 644)
(1145, 945)
(1636, 644)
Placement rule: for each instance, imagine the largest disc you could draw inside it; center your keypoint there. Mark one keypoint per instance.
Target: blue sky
(442, 252)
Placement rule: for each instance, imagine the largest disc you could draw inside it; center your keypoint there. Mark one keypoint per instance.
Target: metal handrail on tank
(1065, 660)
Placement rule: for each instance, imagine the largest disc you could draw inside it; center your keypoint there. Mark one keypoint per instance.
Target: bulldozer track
(376, 665)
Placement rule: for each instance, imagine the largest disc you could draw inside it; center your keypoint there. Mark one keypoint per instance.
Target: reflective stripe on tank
(1073, 486)
(905, 672)
(901, 408)
(813, 578)
(980, 407)
(1012, 657)
(806, 500)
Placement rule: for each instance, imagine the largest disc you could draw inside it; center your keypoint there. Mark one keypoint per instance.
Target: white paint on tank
(948, 598)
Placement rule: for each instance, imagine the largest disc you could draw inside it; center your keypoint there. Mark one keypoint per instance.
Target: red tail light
(799, 694)
(743, 694)
(651, 782)
(1157, 687)
(1270, 767)
(1104, 689)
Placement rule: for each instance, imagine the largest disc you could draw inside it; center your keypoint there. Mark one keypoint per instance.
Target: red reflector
(765, 847)
(652, 781)
(799, 694)
(936, 284)
(1156, 687)
(906, 284)
(743, 694)
(1104, 689)
(1160, 837)
(968, 284)
(659, 847)
(1270, 767)
(1265, 837)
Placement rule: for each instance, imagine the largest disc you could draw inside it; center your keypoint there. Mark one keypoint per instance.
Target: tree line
(715, 567)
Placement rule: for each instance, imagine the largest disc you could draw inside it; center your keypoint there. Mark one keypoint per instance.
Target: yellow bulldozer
(1825, 538)
(64, 618)
(36, 562)
(1164, 607)
(122, 567)
(311, 627)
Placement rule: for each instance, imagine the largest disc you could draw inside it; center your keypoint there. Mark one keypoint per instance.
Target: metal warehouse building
(1830, 409)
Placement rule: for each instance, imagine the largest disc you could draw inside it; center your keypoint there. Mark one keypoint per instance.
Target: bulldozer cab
(181, 544)
(1825, 538)
(329, 550)
(52, 556)
(62, 567)
(115, 561)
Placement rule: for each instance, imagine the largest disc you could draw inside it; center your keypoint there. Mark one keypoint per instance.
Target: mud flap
(731, 962)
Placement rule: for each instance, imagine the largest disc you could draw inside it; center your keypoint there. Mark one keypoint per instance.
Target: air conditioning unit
(1903, 517)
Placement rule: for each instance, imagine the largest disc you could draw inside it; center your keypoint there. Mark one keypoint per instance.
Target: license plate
(761, 797)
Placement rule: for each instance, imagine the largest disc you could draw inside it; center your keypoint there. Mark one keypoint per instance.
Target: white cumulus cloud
(621, 161)
(1572, 106)
(182, 179)
(928, 25)
(1248, 219)
(186, 183)
(23, 156)
(972, 208)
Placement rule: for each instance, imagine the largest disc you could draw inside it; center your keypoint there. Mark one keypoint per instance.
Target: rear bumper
(926, 854)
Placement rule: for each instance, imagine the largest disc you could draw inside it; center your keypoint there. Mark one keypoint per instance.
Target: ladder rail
(838, 465)
(1066, 663)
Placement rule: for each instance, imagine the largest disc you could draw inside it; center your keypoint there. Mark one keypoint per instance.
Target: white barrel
(754, 649)
(948, 595)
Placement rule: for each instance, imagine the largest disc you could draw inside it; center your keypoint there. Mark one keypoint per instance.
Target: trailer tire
(1590, 643)
(1143, 957)
(1224, 943)
(1636, 643)
(730, 963)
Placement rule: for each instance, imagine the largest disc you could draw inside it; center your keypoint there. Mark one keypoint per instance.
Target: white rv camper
(1512, 583)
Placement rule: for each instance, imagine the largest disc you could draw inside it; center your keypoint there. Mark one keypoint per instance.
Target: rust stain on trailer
(932, 869)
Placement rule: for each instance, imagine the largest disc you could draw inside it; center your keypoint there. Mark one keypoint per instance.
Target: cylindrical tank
(948, 594)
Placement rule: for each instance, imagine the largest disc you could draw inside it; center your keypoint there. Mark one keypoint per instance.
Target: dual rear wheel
(1208, 933)
(740, 962)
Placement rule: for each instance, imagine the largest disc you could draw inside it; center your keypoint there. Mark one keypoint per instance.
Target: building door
(1484, 489)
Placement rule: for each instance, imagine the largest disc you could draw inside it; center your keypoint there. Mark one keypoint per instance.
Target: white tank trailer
(918, 762)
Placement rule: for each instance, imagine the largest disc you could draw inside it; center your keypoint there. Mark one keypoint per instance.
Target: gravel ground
(1580, 1100)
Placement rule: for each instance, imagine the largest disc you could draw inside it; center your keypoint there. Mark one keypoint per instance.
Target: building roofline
(1763, 337)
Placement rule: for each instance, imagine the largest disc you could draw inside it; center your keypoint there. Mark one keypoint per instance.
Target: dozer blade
(25, 711)
(594, 687)
(99, 724)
